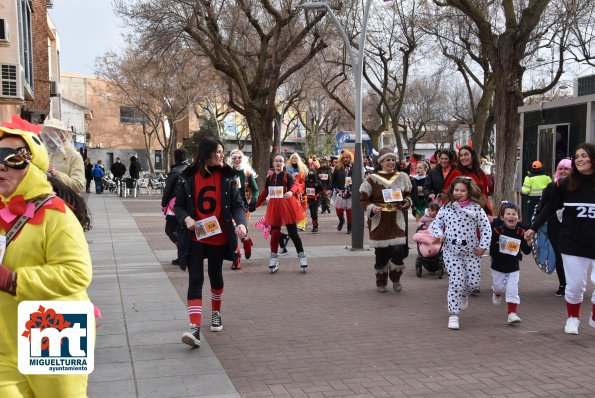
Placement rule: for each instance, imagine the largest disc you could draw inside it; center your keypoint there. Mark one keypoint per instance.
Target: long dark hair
(473, 190)
(474, 160)
(574, 179)
(73, 200)
(200, 158)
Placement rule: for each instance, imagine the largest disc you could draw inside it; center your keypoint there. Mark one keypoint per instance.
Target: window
(131, 115)
(25, 45)
(3, 30)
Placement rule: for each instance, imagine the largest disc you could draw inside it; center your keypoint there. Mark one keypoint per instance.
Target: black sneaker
(315, 230)
(283, 242)
(192, 338)
(175, 262)
(340, 226)
(348, 228)
(283, 250)
(216, 324)
(561, 291)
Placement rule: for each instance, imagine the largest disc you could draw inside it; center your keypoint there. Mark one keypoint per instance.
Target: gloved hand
(252, 207)
(7, 280)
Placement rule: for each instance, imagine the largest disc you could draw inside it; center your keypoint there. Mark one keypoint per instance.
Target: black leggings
(214, 255)
(292, 231)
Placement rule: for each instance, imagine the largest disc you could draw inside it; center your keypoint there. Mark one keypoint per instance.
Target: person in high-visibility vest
(533, 187)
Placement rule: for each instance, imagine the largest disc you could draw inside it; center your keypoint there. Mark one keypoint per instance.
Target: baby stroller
(108, 182)
(429, 254)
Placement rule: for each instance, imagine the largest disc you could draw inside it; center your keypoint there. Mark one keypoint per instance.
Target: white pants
(464, 275)
(507, 283)
(576, 269)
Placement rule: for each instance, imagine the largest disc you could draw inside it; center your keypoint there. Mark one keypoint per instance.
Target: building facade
(29, 55)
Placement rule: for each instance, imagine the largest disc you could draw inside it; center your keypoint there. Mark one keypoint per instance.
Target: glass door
(552, 146)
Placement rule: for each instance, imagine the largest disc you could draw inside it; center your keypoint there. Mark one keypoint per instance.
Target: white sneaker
(513, 318)
(453, 322)
(397, 286)
(273, 263)
(303, 260)
(381, 289)
(591, 321)
(571, 326)
(464, 302)
(496, 298)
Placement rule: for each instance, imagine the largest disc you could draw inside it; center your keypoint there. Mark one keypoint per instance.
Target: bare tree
(459, 43)
(508, 33)
(390, 48)
(256, 45)
(421, 109)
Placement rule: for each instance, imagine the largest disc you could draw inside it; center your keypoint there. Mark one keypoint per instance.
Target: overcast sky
(87, 28)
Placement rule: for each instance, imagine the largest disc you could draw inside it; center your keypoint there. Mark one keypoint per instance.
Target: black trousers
(171, 228)
(314, 213)
(394, 253)
(214, 256)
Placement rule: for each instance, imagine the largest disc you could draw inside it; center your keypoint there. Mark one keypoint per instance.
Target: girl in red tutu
(283, 208)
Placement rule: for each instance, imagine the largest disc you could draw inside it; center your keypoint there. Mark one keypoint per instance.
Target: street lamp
(357, 67)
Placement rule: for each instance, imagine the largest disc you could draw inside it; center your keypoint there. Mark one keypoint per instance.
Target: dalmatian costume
(459, 225)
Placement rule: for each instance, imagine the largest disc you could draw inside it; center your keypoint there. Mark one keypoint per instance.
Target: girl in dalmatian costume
(463, 226)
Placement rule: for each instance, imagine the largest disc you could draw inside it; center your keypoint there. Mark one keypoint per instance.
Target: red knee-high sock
(348, 216)
(573, 309)
(340, 213)
(216, 297)
(512, 307)
(275, 235)
(195, 311)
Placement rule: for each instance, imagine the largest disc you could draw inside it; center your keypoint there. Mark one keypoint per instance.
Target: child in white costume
(463, 226)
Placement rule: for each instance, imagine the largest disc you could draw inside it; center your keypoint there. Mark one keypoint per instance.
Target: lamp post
(357, 67)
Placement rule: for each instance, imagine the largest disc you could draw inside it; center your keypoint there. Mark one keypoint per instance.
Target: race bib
(509, 245)
(207, 227)
(275, 192)
(347, 181)
(310, 192)
(392, 195)
(323, 177)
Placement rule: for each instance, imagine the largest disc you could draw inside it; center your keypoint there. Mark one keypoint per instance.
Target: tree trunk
(482, 112)
(148, 138)
(398, 138)
(261, 131)
(508, 98)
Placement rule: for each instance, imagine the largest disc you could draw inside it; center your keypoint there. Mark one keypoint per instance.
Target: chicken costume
(50, 259)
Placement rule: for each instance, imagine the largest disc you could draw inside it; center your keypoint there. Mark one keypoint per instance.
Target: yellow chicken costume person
(47, 260)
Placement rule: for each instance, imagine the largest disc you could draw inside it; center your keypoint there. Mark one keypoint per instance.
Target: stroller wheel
(418, 267)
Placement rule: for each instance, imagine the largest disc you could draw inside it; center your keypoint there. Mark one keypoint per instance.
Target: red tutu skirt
(284, 211)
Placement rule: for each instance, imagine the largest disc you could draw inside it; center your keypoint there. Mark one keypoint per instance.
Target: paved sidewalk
(326, 333)
(138, 351)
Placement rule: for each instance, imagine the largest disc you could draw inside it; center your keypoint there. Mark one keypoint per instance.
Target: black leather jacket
(233, 210)
(170, 182)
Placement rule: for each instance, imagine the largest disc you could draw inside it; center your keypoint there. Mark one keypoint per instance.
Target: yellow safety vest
(533, 185)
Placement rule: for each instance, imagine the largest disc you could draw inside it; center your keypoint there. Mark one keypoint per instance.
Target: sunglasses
(15, 158)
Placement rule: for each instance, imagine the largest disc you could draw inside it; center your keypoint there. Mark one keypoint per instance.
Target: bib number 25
(585, 211)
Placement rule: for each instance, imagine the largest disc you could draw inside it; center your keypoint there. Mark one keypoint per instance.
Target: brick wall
(40, 57)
